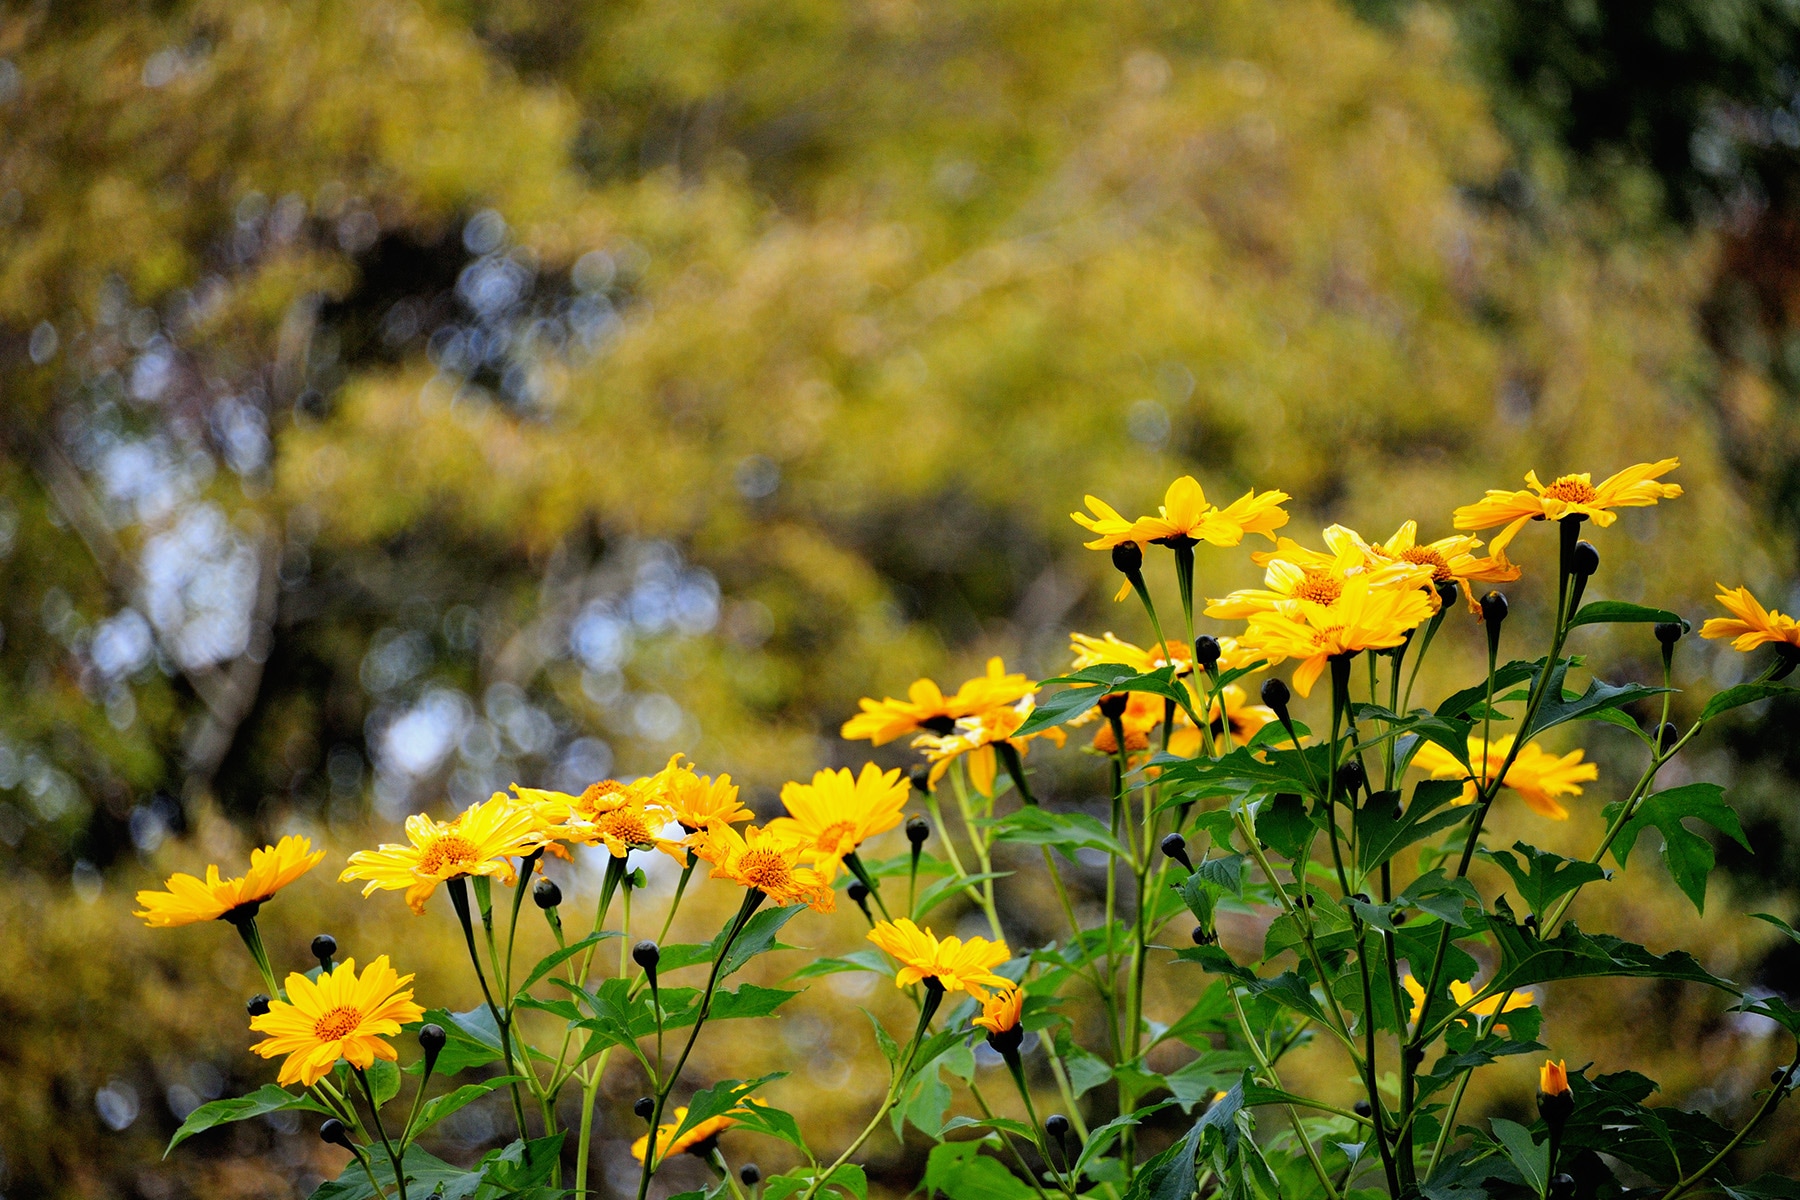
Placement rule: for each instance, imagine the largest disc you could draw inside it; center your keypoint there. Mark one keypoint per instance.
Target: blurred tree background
(406, 399)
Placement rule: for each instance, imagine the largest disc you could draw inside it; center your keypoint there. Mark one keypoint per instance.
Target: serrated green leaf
(1542, 877)
(1381, 833)
(384, 1080)
(1688, 856)
(1557, 708)
(1572, 954)
(1531, 1158)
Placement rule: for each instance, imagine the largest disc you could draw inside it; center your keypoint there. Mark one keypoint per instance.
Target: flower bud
(1175, 846)
(1206, 651)
(1493, 609)
(333, 1133)
(645, 1108)
(323, 947)
(646, 955)
(257, 1005)
(1562, 1186)
(1446, 594)
(1006, 1043)
(1585, 561)
(1363, 1109)
(751, 1174)
(1668, 632)
(1204, 936)
(1128, 559)
(545, 894)
(859, 892)
(1275, 694)
(917, 830)
(1666, 737)
(920, 777)
(1057, 1126)
(1555, 1100)
(431, 1040)
(1350, 778)
(1112, 705)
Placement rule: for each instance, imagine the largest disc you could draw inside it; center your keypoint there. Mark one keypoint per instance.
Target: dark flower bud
(1363, 1109)
(1493, 608)
(646, 955)
(546, 894)
(333, 1133)
(1309, 899)
(1112, 705)
(645, 1108)
(323, 947)
(1206, 651)
(751, 1174)
(917, 830)
(1057, 1126)
(1530, 925)
(1555, 1100)
(1128, 559)
(1204, 936)
(920, 778)
(1006, 1043)
(1668, 632)
(1779, 1076)
(1275, 694)
(257, 1005)
(431, 1040)
(1360, 897)
(859, 892)
(1667, 736)
(1350, 778)
(1585, 561)
(1562, 1186)
(1399, 918)
(1175, 846)
(1446, 594)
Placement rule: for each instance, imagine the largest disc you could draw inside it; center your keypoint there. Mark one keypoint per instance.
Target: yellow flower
(668, 1144)
(1568, 495)
(1143, 712)
(697, 801)
(1185, 515)
(1461, 993)
(1364, 617)
(620, 816)
(190, 899)
(1000, 1011)
(976, 736)
(1450, 558)
(1753, 625)
(1091, 651)
(478, 842)
(958, 965)
(1538, 776)
(1295, 575)
(1553, 1077)
(837, 812)
(927, 709)
(766, 861)
(340, 1016)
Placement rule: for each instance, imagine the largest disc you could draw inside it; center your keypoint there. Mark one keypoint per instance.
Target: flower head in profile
(927, 710)
(695, 1139)
(1295, 575)
(1553, 1077)
(1568, 496)
(767, 861)
(957, 965)
(622, 817)
(976, 736)
(696, 801)
(343, 1015)
(1450, 558)
(478, 842)
(1185, 517)
(1750, 624)
(1538, 776)
(1364, 617)
(838, 811)
(190, 899)
(1000, 1012)
(1461, 993)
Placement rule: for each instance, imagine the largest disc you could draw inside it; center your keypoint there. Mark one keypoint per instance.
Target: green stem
(459, 900)
(1768, 1105)
(380, 1128)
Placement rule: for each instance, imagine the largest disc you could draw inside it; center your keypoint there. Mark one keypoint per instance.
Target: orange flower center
(1321, 587)
(451, 852)
(627, 825)
(833, 839)
(337, 1024)
(1425, 556)
(595, 795)
(1571, 490)
(764, 870)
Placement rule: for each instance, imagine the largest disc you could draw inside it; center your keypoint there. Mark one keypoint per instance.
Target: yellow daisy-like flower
(697, 801)
(1450, 558)
(1090, 651)
(1553, 1077)
(190, 899)
(976, 736)
(478, 842)
(1568, 496)
(1185, 514)
(837, 812)
(1461, 993)
(766, 861)
(1364, 617)
(1295, 575)
(1538, 776)
(1750, 625)
(926, 709)
(1000, 1011)
(340, 1016)
(619, 816)
(958, 965)
(668, 1144)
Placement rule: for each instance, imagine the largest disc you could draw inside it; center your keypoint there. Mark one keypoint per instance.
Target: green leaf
(384, 1080)
(1764, 1187)
(439, 1107)
(1225, 873)
(551, 961)
(1557, 708)
(1777, 922)
(1543, 876)
(960, 1171)
(471, 1040)
(1444, 898)
(1572, 954)
(1067, 832)
(1688, 856)
(1000, 1124)
(1618, 612)
(775, 1122)
(1461, 702)
(1086, 688)
(266, 1099)
(943, 889)
(1102, 1139)
(1743, 693)
(425, 1173)
(720, 1099)
(889, 1050)
(1285, 824)
(757, 938)
(517, 1166)
(1382, 833)
(1198, 897)
(1170, 1175)
(856, 960)
(1213, 1072)
(1532, 1160)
